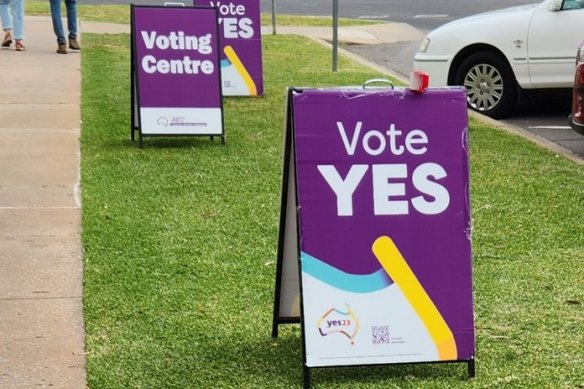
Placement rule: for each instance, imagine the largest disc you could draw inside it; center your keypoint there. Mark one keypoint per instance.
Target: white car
(500, 55)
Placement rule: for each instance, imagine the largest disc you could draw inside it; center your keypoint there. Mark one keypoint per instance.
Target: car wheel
(489, 82)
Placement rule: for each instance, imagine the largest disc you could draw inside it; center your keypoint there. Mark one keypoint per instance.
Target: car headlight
(424, 45)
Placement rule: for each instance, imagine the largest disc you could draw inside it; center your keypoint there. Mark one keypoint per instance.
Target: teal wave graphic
(355, 283)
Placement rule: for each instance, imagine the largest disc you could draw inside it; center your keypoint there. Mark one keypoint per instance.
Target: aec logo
(162, 121)
(176, 121)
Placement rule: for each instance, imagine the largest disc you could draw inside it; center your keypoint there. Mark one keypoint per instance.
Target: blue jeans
(71, 6)
(12, 15)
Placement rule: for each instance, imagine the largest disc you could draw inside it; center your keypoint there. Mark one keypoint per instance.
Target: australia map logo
(337, 322)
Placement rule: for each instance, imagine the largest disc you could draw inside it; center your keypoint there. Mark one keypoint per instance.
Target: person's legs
(71, 6)
(18, 21)
(57, 22)
(18, 18)
(6, 17)
(58, 26)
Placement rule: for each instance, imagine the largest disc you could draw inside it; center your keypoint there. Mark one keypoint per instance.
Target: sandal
(7, 40)
(18, 46)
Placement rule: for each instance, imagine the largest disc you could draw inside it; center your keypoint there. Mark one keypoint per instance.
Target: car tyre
(489, 83)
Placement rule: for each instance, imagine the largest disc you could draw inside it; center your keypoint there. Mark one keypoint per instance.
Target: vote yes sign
(384, 232)
(241, 46)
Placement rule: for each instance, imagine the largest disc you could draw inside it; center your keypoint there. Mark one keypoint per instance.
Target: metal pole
(273, 17)
(335, 33)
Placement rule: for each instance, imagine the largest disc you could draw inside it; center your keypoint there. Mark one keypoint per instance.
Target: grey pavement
(41, 267)
(41, 314)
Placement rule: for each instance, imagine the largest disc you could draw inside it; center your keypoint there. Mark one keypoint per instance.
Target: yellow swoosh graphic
(234, 59)
(398, 269)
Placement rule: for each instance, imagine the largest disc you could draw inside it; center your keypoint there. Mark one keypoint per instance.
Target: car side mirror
(555, 5)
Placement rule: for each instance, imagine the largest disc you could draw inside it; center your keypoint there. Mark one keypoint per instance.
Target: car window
(572, 4)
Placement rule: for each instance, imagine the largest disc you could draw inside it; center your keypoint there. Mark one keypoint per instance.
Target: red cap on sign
(419, 81)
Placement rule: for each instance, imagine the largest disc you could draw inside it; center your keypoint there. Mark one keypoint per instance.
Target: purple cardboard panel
(241, 46)
(384, 215)
(176, 61)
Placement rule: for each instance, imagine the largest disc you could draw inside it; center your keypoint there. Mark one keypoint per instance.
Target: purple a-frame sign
(176, 73)
(241, 46)
(377, 214)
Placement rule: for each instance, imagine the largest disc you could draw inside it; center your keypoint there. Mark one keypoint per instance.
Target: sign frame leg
(306, 373)
(471, 368)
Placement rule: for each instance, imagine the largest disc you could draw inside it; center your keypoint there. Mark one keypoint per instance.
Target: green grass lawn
(180, 245)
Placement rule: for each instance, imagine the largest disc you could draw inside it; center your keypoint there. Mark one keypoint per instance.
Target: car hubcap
(484, 87)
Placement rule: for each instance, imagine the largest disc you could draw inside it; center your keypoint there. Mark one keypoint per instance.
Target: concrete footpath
(41, 267)
(41, 314)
